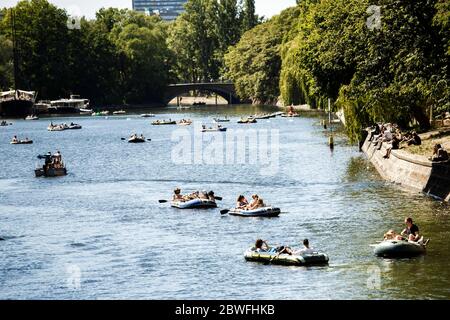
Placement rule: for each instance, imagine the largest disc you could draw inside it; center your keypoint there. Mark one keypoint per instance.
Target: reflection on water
(102, 224)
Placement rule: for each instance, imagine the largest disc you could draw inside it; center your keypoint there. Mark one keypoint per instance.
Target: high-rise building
(166, 9)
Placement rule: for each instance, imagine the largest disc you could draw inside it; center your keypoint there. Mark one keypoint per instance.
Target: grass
(426, 149)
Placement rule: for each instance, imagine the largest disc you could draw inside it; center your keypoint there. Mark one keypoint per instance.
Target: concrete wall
(411, 171)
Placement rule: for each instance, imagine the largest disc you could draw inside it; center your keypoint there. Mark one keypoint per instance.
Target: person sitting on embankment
(439, 154)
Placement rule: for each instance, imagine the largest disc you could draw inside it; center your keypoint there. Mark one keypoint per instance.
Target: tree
(254, 64)
(6, 63)
(249, 17)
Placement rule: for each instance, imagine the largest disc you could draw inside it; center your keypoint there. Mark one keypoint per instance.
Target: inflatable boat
(399, 249)
(271, 256)
(260, 212)
(136, 140)
(22, 142)
(194, 204)
(215, 130)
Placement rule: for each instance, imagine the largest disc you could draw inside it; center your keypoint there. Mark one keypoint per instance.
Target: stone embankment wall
(411, 171)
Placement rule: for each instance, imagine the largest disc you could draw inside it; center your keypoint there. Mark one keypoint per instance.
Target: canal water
(100, 233)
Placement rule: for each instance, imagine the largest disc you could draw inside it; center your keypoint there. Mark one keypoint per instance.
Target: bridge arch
(225, 90)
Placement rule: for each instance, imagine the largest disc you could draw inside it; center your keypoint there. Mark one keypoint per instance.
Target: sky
(88, 8)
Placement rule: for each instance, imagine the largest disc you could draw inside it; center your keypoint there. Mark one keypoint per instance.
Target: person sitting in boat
(14, 139)
(241, 202)
(439, 154)
(177, 196)
(211, 196)
(392, 235)
(411, 230)
(305, 250)
(191, 196)
(261, 246)
(256, 203)
(203, 195)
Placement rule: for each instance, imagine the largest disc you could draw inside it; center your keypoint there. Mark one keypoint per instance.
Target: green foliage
(120, 57)
(254, 63)
(201, 36)
(249, 17)
(393, 73)
(6, 63)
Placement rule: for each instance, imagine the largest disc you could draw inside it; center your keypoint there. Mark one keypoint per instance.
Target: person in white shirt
(305, 250)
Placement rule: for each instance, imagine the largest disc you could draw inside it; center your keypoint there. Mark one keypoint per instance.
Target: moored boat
(64, 106)
(16, 103)
(271, 256)
(399, 249)
(120, 112)
(260, 212)
(194, 204)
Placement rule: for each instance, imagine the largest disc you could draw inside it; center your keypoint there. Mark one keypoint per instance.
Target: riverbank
(299, 108)
(411, 168)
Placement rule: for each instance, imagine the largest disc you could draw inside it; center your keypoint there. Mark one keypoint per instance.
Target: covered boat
(399, 249)
(194, 204)
(272, 256)
(260, 212)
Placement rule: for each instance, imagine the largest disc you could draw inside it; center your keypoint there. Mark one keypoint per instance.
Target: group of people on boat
(52, 161)
(63, 126)
(262, 246)
(135, 136)
(185, 122)
(410, 233)
(4, 123)
(256, 203)
(202, 195)
(16, 140)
